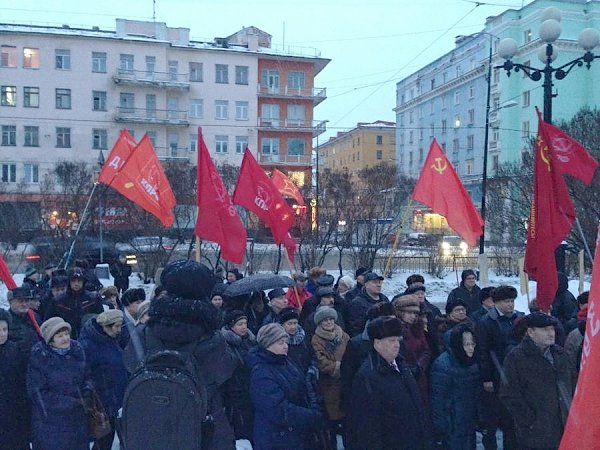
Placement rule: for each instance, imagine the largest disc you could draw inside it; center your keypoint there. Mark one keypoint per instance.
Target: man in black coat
(121, 271)
(371, 294)
(539, 385)
(468, 291)
(386, 411)
(564, 305)
(495, 339)
(360, 282)
(23, 330)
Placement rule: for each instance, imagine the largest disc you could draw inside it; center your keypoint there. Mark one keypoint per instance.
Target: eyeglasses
(459, 309)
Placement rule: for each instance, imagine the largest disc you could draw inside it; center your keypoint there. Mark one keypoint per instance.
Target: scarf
(296, 339)
(333, 338)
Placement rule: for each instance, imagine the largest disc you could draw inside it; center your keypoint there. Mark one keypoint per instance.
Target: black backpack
(165, 405)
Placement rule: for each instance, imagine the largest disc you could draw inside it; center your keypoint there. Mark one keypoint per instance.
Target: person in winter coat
(386, 412)
(56, 384)
(121, 271)
(299, 347)
(14, 405)
(256, 310)
(286, 412)
(104, 360)
(76, 303)
(92, 282)
(429, 313)
(344, 285)
(24, 322)
(455, 391)
(329, 344)
(574, 342)
(456, 314)
(539, 385)
(564, 306)
(359, 278)
(467, 291)
(277, 302)
(573, 323)
(325, 297)
(313, 275)
(238, 405)
(183, 319)
(298, 293)
(216, 298)
(370, 295)
(414, 349)
(487, 303)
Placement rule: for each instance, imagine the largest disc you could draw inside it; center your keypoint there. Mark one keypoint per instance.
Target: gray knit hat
(269, 334)
(52, 326)
(325, 312)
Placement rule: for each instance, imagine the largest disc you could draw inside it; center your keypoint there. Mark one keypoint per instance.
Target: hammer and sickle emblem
(440, 165)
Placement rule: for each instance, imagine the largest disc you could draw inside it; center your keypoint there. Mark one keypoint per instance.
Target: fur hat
(52, 326)
(485, 293)
(187, 278)
(380, 309)
(325, 280)
(325, 312)
(450, 305)
(232, 317)
(169, 309)
(406, 303)
(109, 317)
(269, 334)
(415, 287)
(383, 327)
(133, 295)
(288, 314)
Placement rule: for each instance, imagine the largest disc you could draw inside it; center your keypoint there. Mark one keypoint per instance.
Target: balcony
(316, 127)
(152, 116)
(284, 160)
(164, 80)
(172, 153)
(316, 94)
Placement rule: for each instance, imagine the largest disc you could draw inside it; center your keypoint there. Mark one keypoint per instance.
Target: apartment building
(66, 93)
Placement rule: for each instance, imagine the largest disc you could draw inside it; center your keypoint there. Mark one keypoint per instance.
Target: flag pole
(397, 238)
(581, 270)
(585, 244)
(83, 216)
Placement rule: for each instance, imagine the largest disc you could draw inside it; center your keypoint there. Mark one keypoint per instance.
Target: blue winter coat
(454, 395)
(104, 358)
(55, 384)
(283, 413)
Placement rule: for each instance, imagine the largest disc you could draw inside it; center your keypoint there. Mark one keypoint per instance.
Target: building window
(495, 163)
(270, 80)
(31, 97)
(411, 117)
(420, 134)
(457, 98)
(173, 139)
(411, 135)
(431, 130)
(63, 98)
(270, 146)
(496, 76)
(8, 96)
(221, 144)
(126, 63)
(471, 116)
(241, 75)
(471, 91)
(443, 102)
(32, 173)
(99, 139)
(379, 139)
(526, 37)
(444, 126)
(63, 137)
(295, 147)
(221, 73)
(62, 58)
(9, 135)
(9, 173)
(8, 56)
(455, 145)
(296, 80)
(173, 71)
(526, 99)
(241, 142)
(99, 100)
(470, 142)
(126, 102)
(221, 109)
(152, 136)
(31, 58)
(525, 129)
(151, 106)
(432, 84)
(379, 155)
(197, 108)
(410, 159)
(459, 71)
(98, 62)
(241, 110)
(296, 113)
(196, 71)
(469, 168)
(270, 113)
(420, 155)
(193, 142)
(32, 137)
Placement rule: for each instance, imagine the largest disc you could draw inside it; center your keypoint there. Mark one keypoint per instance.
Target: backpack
(165, 405)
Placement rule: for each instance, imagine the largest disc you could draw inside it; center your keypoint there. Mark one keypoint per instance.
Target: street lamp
(101, 212)
(549, 32)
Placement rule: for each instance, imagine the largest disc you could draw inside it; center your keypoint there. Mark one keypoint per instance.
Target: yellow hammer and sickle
(440, 165)
(545, 156)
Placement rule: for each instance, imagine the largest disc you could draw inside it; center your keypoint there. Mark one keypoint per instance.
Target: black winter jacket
(357, 314)
(470, 298)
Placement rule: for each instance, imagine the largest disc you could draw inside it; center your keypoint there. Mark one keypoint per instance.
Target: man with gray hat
(371, 294)
(539, 385)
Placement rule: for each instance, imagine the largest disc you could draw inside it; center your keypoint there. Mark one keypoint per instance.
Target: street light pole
(485, 151)
(101, 212)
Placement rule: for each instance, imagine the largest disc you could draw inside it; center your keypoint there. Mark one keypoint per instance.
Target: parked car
(152, 244)
(453, 246)
(46, 249)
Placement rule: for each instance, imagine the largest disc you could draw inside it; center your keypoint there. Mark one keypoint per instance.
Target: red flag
(440, 188)
(287, 187)
(290, 246)
(218, 221)
(583, 429)
(552, 211)
(256, 192)
(141, 178)
(120, 153)
(5, 275)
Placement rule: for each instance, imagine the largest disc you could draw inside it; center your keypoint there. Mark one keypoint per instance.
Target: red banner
(440, 188)
(287, 187)
(5, 275)
(218, 221)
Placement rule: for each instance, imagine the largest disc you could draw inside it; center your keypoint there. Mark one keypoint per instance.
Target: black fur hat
(171, 309)
(383, 327)
(188, 279)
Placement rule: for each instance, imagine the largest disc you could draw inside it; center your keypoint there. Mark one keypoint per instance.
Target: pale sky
(372, 44)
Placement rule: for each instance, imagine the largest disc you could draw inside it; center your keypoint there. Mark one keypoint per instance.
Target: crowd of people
(326, 363)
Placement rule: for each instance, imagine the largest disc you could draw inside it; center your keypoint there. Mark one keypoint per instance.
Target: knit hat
(109, 317)
(406, 303)
(52, 326)
(187, 278)
(539, 320)
(287, 314)
(383, 327)
(451, 304)
(466, 273)
(233, 317)
(30, 271)
(325, 312)
(269, 334)
(347, 281)
(278, 292)
(325, 280)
